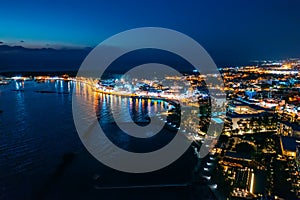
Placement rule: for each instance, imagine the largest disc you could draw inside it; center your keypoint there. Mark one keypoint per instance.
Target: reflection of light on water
(104, 106)
(21, 113)
(114, 99)
(19, 85)
(125, 109)
(140, 104)
(69, 86)
(155, 106)
(61, 86)
(149, 104)
(55, 85)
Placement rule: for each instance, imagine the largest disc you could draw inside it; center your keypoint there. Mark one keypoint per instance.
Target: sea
(42, 156)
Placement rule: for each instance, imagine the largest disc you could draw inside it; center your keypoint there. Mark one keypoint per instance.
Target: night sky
(233, 32)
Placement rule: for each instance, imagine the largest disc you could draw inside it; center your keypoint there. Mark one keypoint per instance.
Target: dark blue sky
(231, 31)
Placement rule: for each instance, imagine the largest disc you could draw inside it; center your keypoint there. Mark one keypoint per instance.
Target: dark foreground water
(42, 157)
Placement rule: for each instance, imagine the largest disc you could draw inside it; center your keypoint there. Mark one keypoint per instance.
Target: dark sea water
(42, 157)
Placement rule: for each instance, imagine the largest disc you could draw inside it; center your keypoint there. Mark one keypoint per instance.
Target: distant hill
(21, 59)
(18, 58)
